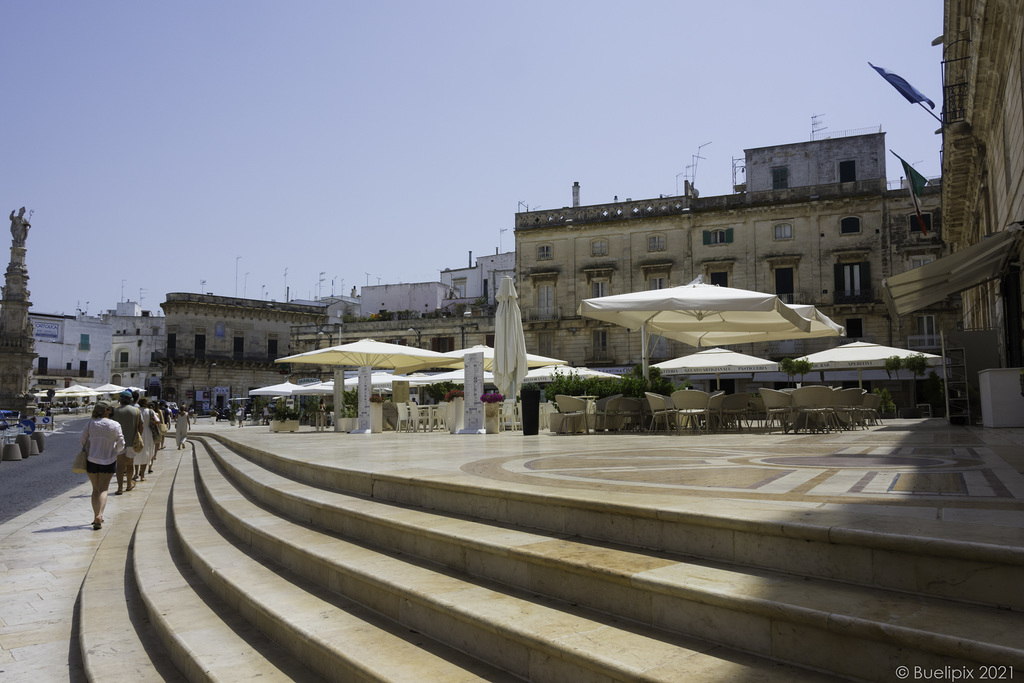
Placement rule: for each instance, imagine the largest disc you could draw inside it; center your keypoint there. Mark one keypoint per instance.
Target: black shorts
(95, 468)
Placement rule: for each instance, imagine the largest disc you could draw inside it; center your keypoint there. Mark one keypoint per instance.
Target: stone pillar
(17, 345)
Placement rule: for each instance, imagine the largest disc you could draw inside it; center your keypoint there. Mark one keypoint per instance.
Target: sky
(268, 149)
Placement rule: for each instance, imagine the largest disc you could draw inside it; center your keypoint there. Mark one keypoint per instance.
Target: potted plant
(530, 394)
(887, 407)
(492, 408)
(285, 418)
(348, 414)
(795, 367)
(376, 413)
(456, 399)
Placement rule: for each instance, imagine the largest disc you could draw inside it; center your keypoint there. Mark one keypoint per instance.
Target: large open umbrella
(510, 362)
(707, 315)
(373, 354)
(548, 372)
(861, 356)
(716, 362)
(532, 359)
(283, 389)
(110, 389)
(453, 376)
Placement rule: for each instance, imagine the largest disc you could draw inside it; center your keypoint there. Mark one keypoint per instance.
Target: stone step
(114, 633)
(966, 562)
(520, 632)
(770, 613)
(336, 637)
(206, 640)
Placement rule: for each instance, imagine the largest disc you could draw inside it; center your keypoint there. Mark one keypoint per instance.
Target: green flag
(917, 183)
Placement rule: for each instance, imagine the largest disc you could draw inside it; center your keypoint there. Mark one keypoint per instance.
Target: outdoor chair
(848, 403)
(440, 417)
(508, 417)
(606, 413)
(734, 409)
(715, 411)
(814, 409)
(661, 410)
(419, 416)
(691, 408)
(778, 407)
(755, 410)
(870, 406)
(630, 413)
(543, 411)
(574, 414)
(405, 423)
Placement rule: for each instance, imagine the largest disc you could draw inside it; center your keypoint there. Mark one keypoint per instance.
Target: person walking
(126, 415)
(181, 427)
(150, 437)
(103, 441)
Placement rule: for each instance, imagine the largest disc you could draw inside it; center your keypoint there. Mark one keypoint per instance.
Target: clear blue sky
(162, 144)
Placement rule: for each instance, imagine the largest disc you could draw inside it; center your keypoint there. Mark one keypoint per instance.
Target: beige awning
(933, 282)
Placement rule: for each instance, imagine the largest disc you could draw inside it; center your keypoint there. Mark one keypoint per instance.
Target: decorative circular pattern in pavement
(904, 475)
(860, 461)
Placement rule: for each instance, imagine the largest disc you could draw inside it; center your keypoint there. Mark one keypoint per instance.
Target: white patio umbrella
(76, 391)
(453, 376)
(283, 389)
(510, 362)
(374, 354)
(861, 356)
(707, 315)
(716, 362)
(532, 359)
(110, 389)
(547, 373)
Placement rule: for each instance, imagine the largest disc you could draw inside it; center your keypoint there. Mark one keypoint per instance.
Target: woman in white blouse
(103, 440)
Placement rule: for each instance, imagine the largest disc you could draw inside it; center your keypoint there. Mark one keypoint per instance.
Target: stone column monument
(17, 345)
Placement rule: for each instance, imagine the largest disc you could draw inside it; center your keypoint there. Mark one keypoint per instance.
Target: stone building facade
(816, 224)
(220, 347)
(70, 349)
(983, 161)
(137, 337)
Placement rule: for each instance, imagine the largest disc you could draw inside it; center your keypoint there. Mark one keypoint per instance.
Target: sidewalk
(972, 478)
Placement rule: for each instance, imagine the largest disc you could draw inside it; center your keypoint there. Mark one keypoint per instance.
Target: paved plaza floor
(958, 482)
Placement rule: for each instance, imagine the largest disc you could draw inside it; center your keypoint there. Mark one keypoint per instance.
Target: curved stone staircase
(251, 564)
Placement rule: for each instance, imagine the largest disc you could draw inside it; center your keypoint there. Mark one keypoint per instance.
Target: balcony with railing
(215, 356)
(542, 313)
(864, 295)
(921, 342)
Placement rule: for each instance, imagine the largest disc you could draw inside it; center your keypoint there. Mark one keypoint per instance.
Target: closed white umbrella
(510, 363)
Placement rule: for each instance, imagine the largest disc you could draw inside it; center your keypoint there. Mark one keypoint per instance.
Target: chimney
(470, 259)
(576, 193)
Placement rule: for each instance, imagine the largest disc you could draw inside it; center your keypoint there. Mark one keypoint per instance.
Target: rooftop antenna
(696, 158)
(817, 125)
(500, 232)
(122, 289)
(523, 206)
(142, 293)
(320, 286)
(202, 286)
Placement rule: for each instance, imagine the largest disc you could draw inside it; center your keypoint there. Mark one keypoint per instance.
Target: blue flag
(912, 94)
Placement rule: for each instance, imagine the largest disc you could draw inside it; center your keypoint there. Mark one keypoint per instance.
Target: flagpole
(921, 104)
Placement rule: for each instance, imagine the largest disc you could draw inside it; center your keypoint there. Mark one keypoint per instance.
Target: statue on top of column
(19, 227)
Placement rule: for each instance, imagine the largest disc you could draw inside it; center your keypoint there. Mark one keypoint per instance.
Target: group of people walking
(122, 441)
